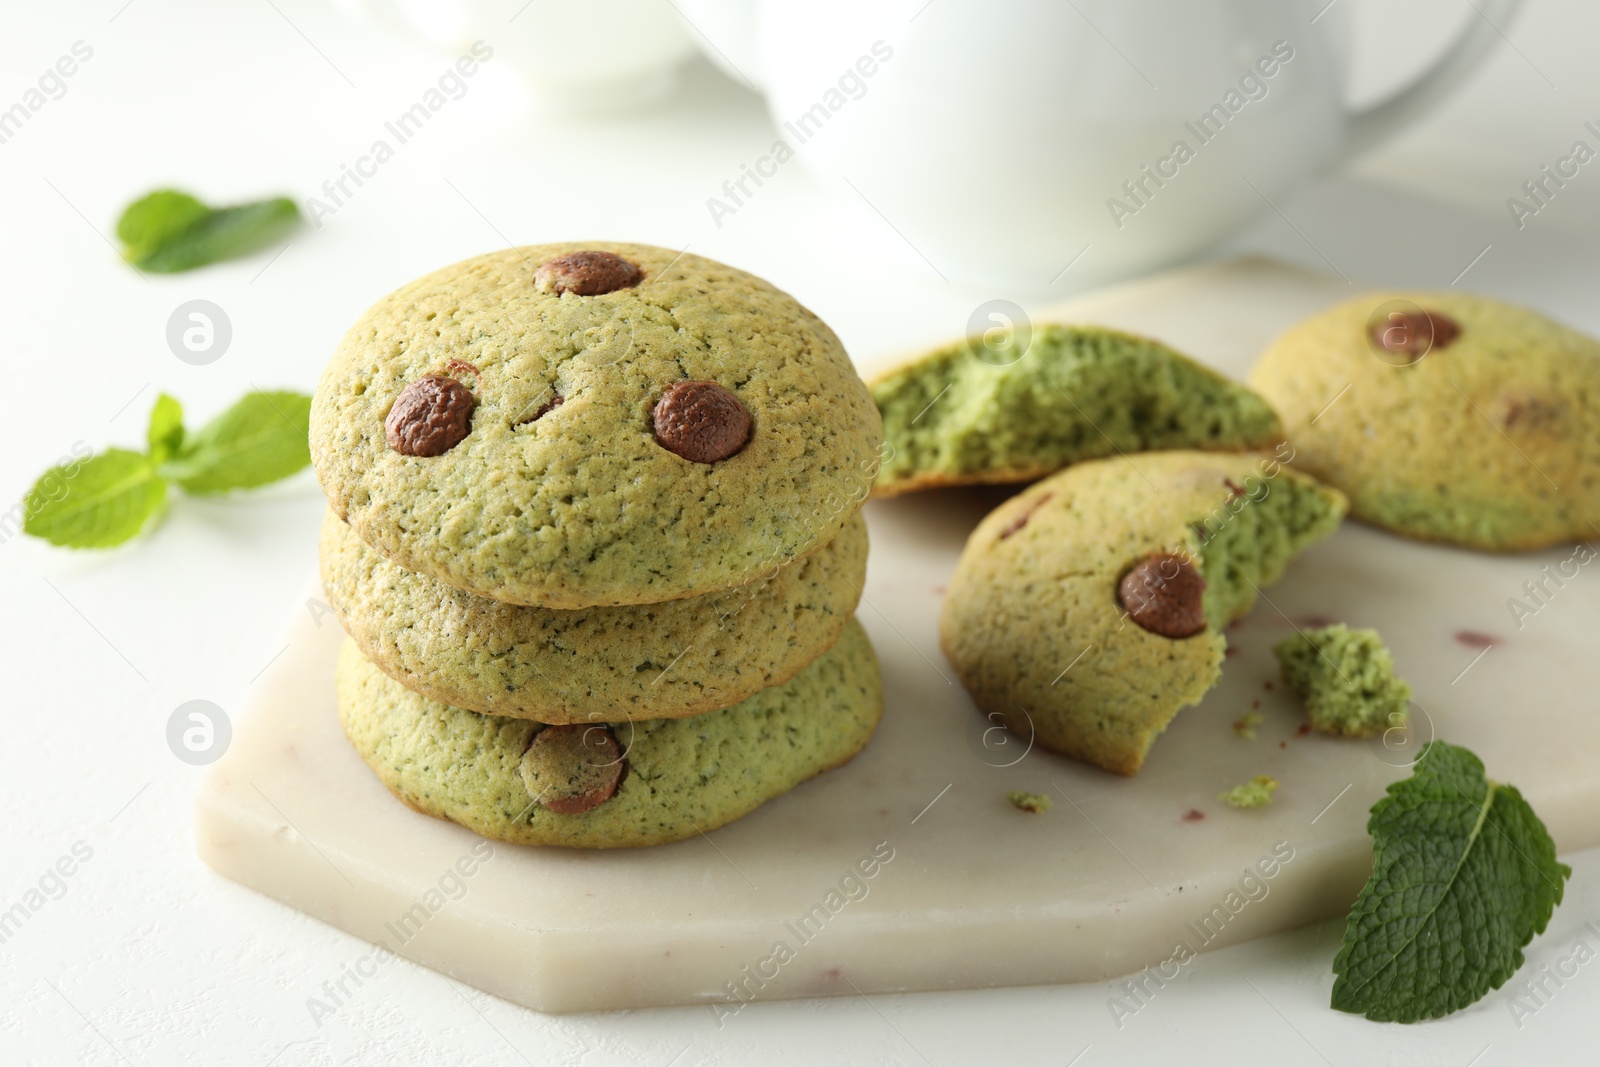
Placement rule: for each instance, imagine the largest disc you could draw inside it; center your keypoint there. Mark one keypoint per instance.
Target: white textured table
(147, 956)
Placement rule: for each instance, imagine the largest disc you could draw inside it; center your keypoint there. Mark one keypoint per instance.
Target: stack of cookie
(594, 536)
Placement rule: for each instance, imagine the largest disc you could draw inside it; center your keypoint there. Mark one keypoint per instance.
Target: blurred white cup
(578, 55)
(1030, 142)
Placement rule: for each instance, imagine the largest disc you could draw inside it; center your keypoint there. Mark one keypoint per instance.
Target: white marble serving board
(975, 893)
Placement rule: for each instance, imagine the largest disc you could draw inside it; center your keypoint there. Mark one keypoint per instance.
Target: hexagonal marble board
(908, 869)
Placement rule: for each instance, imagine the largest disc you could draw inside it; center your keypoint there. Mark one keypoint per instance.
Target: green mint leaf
(165, 435)
(1464, 876)
(97, 502)
(151, 220)
(170, 231)
(260, 439)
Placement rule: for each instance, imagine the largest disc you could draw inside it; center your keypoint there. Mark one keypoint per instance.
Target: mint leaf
(96, 503)
(169, 231)
(150, 221)
(260, 439)
(165, 434)
(1464, 876)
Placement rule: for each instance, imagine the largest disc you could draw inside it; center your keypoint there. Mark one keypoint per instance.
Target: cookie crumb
(1475, 639)
(1193, 815)
(1245, 725)
(1347, 680)
(1256, 793)
(1037, 803)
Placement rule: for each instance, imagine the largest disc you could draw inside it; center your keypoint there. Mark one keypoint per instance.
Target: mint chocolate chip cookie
(972, 413)
(1446, 416)
(581, 425)
(1088, 609)
(613, 784)
(645, 661)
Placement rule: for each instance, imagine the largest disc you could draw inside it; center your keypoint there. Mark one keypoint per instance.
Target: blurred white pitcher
(577, 55)
(1008, 139)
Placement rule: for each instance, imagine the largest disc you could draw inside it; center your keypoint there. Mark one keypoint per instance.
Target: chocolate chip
(1529, 413)
(572, 769)
(460, 366)
(1016, 524)
(430, 416)
(1415, 334)
(700, 421)
(587, 274)
(1162, 594)
(544, 409)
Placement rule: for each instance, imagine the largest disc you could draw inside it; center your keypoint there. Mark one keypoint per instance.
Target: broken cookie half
(1015, 405)
(1088, 609)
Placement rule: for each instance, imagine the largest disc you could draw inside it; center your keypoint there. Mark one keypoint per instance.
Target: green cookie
(976, 412)
(678, 435)
(1480, 429)
(617, 784)
(1048, 624)
(648, 661)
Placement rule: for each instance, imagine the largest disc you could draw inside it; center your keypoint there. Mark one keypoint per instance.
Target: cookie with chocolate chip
(1086, 611)
(1445, 416)
(593, 424)
(640, 661)
(617, 783)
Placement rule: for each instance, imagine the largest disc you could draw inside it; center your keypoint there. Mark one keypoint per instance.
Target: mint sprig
(111, 496)
(1464, 876)
(168, 230)
(95, 503)
(259, 440)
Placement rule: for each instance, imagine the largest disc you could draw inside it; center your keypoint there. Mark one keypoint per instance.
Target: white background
(149, 957)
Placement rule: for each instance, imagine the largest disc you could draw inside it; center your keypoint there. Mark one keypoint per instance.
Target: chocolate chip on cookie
(1415, 334)
(430, 416)
(1015, 525)
(1162, 594)
(542, 410)
(587, 274)
(701, 421)
(571, 769)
